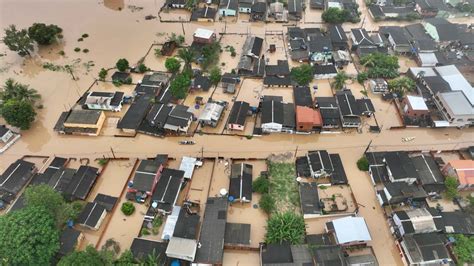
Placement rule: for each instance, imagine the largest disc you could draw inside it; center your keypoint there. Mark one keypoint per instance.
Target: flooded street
(124, 33)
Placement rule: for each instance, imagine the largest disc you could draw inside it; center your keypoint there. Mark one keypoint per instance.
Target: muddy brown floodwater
(117, 29)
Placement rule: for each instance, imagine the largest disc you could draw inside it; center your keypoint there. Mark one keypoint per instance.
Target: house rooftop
(142, 248)
(135, 113)
(108, 202)
(238, 113)
(167, 189)
(15, 177)
(351, 229)
(212, 235)
(237, 234)
(464, 170)
(425, 247)
(417, 103)
(91, 215)
(310, 203)
(203, 33)
(68, 241)
(85, 117)
(82, 182)
(240, 186)
(186, 225)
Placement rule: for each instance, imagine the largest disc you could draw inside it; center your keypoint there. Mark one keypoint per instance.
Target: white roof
(203, 33)
(457, 102)
(428, 59)
(187, 165)
(350, 229)
(456, 81)
(441, 123)
(417, 103)
(170, 224)
(182, 248)
(428, 71)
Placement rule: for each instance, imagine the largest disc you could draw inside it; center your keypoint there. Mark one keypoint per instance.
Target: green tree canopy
(464, 249)
(44, 34)
(187, 55)
(215, 75)
(28, 237)
(210, 55)
(363, 164)
(13, 90)
(335, 15)
(180, 85)
(361, 77)
(401, 85)
(122, 64)
(89, 256)
(261, 185)
(172, 64)
(340, 80)
(381, 65)
(451, 184)
(303, 74)
(18, 113)
(18, 40)
(285, 227)
(46, 197)
(179, 39)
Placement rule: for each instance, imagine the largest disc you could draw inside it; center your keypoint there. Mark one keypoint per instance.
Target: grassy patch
(283, 186)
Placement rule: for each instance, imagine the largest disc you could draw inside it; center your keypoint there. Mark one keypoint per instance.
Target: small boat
(187, 142)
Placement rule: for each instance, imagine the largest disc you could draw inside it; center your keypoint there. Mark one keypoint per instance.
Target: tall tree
(215, 76)
(172, 64)
(89, 256)
(340, 80)
(303, 74)
(18, 40)
(44, 34)
(46, 197)
(187, 55)
(18, 113)
(122, 64)
(28, 237)
(18, 91)
(401, 85)
(180, 85)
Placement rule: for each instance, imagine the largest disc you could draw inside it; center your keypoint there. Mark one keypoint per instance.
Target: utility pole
(202, 152)
(113, 153)
(296, 151)
(182, 27)
(368, 146)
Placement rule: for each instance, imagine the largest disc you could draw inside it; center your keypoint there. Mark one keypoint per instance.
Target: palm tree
(187, 55)
(340, 80)
(18, 91)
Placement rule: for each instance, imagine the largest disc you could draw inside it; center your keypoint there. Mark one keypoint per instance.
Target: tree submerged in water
(44, 34)
(18, 40)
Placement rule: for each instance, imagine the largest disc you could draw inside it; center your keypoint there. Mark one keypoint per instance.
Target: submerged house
(350, 114)
(338, 37)
(417, 221)
(212, 113)
(204, 14)
(92, 216)
(295, 9)
(179, 119)
(228, 8)
(277, 75)
(147, 175)
(81, 183)
(330, 113)
(211, 239)
(311, 206)
(167, 190)
(425, 249)
(308, 119)
(238, 115)
(106, 101)
(81, 122)
(245, 6)
(183, 244)
(250, 63)
(277, 116)
(259, 11)
(240, 187)
(349, 231)
(135, 114)
(14, 178)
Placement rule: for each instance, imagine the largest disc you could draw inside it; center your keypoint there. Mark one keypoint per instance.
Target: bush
(335, 15)
(122, 64)
(172, 64)
(464, 249)
(261, 185)
(61, 52)
(128, 80)
(85, 50)
(267, 203)
(142, 68)
(102, 74)
(361, 77)
(363, 164)
(128, 208)
(77, 49)
(145, 232)
(80, 39)
(285, 227)
(85, 35)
